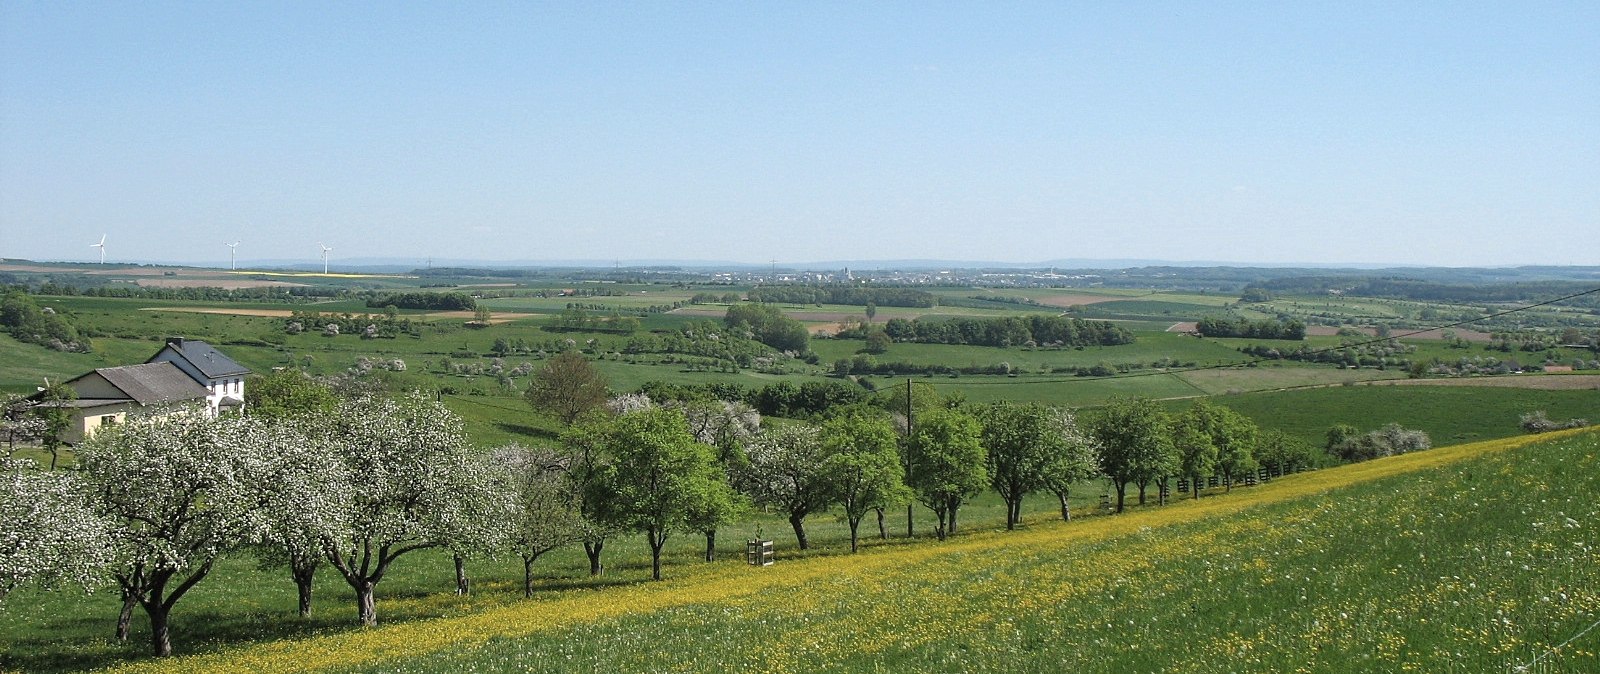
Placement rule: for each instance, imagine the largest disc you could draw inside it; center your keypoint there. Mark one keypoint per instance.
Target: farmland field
(1479, 557)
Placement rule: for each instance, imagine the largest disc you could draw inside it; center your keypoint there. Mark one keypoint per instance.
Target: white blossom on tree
(785, 471)
(180, 490)
(306, 486)
(413, 484)
(49, 533)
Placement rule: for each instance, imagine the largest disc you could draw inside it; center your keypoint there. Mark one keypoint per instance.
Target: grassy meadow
(1472, 558)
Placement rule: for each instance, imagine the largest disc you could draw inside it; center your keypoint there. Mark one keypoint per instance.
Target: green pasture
(1449, 414)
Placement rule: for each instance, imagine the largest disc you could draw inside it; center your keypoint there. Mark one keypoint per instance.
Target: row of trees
(1218, 326)
(432, 301)
(843, 294)
(1034, 330)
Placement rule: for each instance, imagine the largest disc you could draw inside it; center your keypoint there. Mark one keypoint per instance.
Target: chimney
(175, 342)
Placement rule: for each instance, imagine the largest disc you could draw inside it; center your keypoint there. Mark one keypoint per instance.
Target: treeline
(1217, 326)
(1380, 354)
(366, 326)
(808, 400)
(1434, 291)
(577, 318)
(768, 325)
(1039, 330)
(209, 294)
(28, 322)
(424, 300)
(843, 294)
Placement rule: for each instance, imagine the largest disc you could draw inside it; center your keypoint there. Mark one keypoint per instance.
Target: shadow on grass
(526, 430)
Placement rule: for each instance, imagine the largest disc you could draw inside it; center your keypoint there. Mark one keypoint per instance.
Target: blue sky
(1407, 133)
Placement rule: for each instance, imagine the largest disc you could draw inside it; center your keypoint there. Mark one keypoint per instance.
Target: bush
(1538, 422)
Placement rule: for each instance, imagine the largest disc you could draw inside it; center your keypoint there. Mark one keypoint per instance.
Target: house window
(108, 420)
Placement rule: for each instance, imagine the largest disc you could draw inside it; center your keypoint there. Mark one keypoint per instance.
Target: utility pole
(910, 507)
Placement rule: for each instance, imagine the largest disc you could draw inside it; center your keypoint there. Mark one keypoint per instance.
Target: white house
(222, 378)
(183, 374)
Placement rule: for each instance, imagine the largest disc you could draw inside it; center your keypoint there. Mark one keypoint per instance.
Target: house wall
(95, 386)
(86, 421)
(216, 389)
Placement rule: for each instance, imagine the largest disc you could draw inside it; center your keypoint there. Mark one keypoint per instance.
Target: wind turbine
(325, 250)
(233, 248)
(102, 247)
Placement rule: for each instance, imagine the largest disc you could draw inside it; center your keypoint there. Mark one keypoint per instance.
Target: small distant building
(182, 374)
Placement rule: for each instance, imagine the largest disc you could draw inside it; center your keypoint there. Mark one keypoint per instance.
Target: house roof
(152, 383)
(205, 358)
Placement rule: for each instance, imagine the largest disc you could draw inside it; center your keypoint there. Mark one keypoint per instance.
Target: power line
(1252, 361)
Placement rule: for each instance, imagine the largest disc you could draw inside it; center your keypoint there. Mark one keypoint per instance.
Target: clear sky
(1452, 133)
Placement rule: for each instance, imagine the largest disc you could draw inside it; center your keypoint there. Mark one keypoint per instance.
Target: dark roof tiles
(153, 383)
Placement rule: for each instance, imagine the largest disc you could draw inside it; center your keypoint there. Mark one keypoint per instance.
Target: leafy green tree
(547, 514)
(1197, 456)
(876, 342)
(1073, 459)
(54, 412)
(727, 427)
(1020, 440)
(287, 392)
(862, 466)
(1283, 453)
(567, 387)
(785, 472)
(1135, 443)
(661, 480)
(947, 462)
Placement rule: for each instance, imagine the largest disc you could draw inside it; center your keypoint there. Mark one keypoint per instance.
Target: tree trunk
(883, 533)
(954, 507)
(1066, 510)
(1011, 512)
(1142, 486)
(1194, 485)
(463, 583)
(855, 541)
(799, 523)
(125, 619)
(910, 531)
(592, 549)
(302, 582)
(366, 608)
(655, 551)
(527, 576)
(939, 529)
(160, 633)
(1122, 494)
(711, 545)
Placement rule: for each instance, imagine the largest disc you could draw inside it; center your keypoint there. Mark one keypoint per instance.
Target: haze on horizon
(1460, 134)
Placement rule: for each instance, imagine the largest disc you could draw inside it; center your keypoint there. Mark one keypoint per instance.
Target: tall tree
(785, 472)
(307, 486)
(1197, 455)
(1233, 435)
(726, 427)
(1020, 441)
(661, 480)
(587, 462)
(862, 466)
(1135, 443)
(181, 490)
(413, 485)
(547, 514)
(566, 387)
(947, 462)
(1074, 460)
